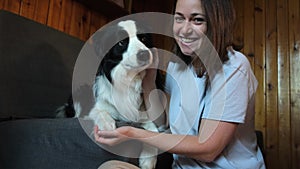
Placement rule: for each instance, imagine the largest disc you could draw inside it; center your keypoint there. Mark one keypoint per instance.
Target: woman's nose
(187, 28)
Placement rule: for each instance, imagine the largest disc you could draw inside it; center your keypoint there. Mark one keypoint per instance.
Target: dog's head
(127, 47)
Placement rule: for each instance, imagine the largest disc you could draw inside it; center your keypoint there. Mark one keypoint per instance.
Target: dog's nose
(143, 55)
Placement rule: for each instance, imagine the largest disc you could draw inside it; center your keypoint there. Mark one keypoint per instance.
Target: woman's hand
(113, 137)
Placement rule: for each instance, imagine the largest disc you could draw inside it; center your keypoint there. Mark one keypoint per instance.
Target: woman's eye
(179, 19)
(199, 20)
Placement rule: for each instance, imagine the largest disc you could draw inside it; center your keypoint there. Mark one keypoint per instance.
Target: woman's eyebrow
(178, 13)
(196, 14)
(192, 14)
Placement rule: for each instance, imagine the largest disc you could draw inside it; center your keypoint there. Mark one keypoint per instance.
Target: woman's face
(189, 25)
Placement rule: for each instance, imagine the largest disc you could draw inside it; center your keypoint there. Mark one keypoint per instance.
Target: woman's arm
(190, 146)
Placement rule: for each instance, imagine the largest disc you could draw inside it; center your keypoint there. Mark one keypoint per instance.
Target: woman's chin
(187, 52)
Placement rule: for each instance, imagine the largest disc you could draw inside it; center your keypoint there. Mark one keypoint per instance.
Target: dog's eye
(143, 38)
(122, 43)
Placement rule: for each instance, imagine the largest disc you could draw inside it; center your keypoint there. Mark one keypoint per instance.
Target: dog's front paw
(105, 122)
(147, 162)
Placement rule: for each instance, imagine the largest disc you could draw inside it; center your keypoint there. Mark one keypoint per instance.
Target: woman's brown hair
(220, 17)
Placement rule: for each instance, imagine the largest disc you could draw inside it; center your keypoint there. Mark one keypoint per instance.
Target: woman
(225, 139)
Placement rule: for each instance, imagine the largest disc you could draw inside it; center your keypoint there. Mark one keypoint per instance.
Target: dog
(117, 90)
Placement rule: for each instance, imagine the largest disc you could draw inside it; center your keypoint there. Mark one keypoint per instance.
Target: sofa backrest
(36, 66)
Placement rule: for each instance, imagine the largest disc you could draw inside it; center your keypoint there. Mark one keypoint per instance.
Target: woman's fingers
(155, 58)
(110, 137)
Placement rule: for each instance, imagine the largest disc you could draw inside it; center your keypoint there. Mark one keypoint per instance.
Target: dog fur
(118, 85)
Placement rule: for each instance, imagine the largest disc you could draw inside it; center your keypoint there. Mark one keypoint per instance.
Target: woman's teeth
(187, 40)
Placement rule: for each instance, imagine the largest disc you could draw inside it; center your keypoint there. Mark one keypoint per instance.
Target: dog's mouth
(141, 60)
(135, 67)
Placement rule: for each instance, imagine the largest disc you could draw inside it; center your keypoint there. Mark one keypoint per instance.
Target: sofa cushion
(36, 66)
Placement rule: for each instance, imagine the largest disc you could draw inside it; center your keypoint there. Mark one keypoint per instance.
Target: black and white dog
(118, 89)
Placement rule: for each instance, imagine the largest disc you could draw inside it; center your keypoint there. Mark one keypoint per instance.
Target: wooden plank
(272, 157)
(97, 21)
(260, 66)
(80, 21)
(55, 8)
(12, 6)
(35, 10)
(294, 54)
(128, 5)
(2, 4)
(27, 8)
(65, 16)
(284, 146)
(41, 11)
(106, 7)
(85, 23)
(60, 12)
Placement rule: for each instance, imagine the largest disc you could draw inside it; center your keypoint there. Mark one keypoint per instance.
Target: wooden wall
(68, 16)
(269, 31)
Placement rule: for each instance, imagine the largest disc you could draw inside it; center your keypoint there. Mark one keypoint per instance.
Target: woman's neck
(198, 67)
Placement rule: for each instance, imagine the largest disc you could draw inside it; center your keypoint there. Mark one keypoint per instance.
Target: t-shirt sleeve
(237, 98)
(230, 97)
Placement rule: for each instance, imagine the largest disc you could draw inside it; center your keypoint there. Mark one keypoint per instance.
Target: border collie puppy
(118, 85)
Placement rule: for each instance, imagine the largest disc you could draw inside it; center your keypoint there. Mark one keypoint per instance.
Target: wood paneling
(271, 84)
(294, 55)
(259, 64)
(106, 7)
(12, 5)
(97, 21)
(275, 40)
(283, 86)
(80, 21)
(68, 16)
(35, 9)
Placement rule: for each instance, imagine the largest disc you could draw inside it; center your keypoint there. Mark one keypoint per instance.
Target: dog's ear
(106, 38)
(106, 43)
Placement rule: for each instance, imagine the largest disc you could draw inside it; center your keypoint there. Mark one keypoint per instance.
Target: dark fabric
(48, 144)
(54, 144)
(36, 67)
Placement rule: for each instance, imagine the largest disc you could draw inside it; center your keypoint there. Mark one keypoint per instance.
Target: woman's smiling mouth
(187, 41)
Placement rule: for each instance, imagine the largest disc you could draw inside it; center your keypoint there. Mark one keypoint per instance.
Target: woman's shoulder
(238, 60)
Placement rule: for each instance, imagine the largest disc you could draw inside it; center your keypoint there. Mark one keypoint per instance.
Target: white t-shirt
(233, 90)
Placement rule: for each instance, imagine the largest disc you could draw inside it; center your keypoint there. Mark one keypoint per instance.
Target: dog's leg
(102, 119)
(148, 157)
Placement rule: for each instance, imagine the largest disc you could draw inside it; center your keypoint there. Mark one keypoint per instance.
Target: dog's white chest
(129, 101)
